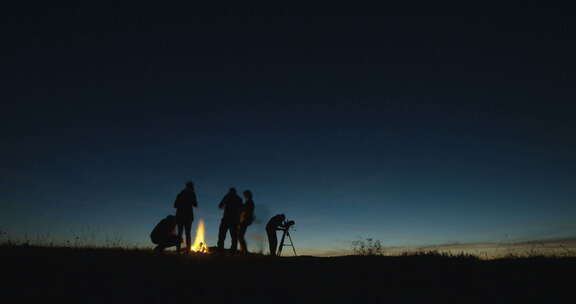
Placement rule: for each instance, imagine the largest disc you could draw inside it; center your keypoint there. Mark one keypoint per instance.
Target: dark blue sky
(413, 127)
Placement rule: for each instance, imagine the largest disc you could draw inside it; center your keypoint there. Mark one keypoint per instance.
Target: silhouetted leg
(159, 246)
(188, 228)
(272, 241)
(234, 237)
(222, 234)
(174, 241)
(180, 228)
(242, 239)
(169, 242)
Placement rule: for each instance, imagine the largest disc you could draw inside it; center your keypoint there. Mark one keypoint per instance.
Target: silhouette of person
(164, 234)
(184, 203)
(246, 219)
(232, 204)
(274, 224)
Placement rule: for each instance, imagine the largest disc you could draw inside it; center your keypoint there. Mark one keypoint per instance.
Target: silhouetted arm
(194, 200)
(176, 201)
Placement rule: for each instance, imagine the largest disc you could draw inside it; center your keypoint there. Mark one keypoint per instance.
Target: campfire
(199, 245)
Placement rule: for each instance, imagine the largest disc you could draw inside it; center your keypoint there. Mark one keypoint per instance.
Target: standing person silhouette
(246, 219)
(184, 203)
(232, 204)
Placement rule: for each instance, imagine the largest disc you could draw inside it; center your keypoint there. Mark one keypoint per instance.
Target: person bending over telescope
(276, 223)
(164, 234)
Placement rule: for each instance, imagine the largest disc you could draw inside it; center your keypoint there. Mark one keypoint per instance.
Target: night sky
(414, 126)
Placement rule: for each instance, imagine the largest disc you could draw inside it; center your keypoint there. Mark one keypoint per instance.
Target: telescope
(287, 224)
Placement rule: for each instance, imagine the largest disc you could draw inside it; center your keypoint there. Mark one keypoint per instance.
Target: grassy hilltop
(118, 275)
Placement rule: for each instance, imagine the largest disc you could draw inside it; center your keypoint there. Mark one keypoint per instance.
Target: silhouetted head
(232, 190)
(190, 185)
(283, 216)
(248, 194)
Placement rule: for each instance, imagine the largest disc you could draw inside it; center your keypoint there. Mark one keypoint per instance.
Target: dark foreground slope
(112, 276)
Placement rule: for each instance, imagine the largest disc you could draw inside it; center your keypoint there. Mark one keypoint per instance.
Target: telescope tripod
(282, 241)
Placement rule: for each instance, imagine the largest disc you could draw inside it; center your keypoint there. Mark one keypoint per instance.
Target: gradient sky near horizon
(415, 127)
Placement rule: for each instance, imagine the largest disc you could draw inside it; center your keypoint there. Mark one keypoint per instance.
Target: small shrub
(367, 247)
(435, 254)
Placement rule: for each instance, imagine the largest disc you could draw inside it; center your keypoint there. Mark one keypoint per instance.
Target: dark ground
(33, 274)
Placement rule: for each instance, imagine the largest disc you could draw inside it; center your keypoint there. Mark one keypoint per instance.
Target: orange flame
(199, 242)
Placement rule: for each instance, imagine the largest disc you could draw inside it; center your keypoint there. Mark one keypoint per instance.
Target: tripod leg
(292, 243)
(281, 243)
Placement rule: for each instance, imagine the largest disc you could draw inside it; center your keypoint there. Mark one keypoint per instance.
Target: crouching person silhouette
(164, 234)
(274, 224)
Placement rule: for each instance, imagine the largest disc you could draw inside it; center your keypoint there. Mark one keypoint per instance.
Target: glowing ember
(199, 242)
